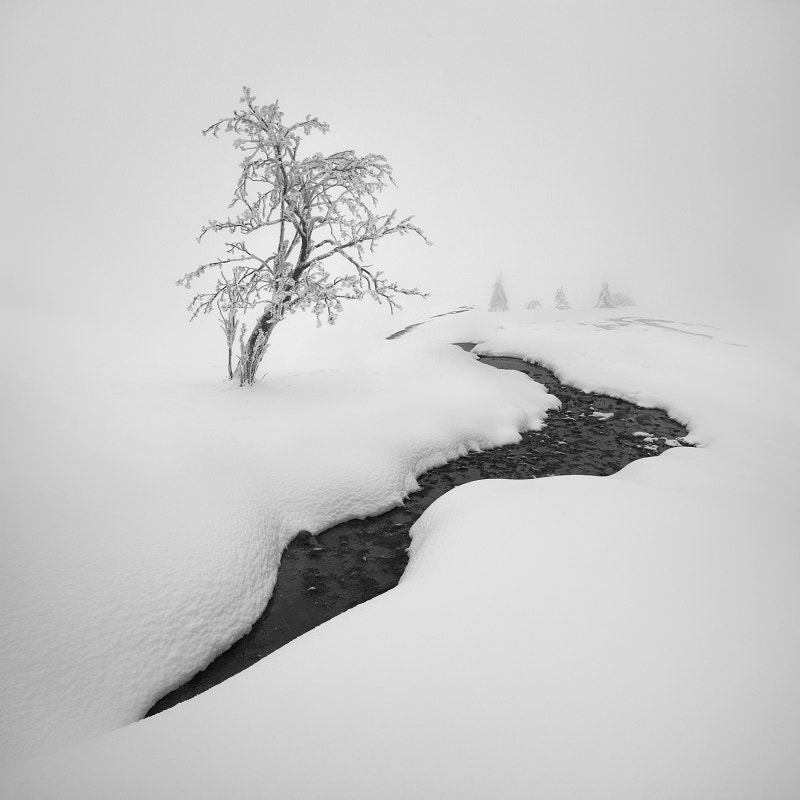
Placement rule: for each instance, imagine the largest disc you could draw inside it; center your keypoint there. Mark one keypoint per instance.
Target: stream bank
(322, 576)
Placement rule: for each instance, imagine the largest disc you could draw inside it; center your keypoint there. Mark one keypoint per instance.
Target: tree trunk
(230, 360)
(255, 348)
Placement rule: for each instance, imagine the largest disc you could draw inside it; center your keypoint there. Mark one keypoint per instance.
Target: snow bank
(622, 637)
(144, 518)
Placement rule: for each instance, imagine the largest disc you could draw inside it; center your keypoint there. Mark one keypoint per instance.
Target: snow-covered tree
(605, 300)
(298, 219)
(561, 300)
(499, 302)
(532, 305)
(620, 299)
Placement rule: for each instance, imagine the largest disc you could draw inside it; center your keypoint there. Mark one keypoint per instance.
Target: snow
(574, 636)
(145, 518)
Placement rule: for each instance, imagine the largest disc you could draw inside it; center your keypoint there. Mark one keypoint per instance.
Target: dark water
(322, 576)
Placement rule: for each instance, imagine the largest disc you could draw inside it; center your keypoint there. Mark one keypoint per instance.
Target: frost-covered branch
(310, 209)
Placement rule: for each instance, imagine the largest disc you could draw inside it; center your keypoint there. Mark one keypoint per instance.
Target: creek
(324, 575)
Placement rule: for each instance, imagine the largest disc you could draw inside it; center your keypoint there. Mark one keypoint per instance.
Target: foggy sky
(650, 144)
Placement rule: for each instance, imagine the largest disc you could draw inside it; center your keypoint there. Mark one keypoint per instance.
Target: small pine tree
(499, 301)
(605, 299)
(561, 300)
(532, 305)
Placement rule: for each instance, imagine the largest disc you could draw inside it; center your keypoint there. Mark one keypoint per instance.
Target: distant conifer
(561, 300)
(499, 301)
(605, 300)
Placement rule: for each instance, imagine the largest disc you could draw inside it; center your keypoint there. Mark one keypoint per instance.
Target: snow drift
(145, 520)
(610, 637)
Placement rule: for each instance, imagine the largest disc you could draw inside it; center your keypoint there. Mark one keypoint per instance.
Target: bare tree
(313, 212)
(499, 302)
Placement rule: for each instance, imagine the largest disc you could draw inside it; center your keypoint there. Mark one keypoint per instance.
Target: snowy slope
(144, 518)
(623, 637)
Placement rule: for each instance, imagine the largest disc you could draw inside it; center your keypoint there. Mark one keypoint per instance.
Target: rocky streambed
(322, 576)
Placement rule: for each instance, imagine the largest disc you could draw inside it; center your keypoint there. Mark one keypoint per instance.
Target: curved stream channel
(322, 576)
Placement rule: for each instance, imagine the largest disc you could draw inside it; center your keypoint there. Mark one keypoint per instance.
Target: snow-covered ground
(623, 637)
(144, 518)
